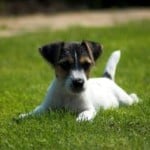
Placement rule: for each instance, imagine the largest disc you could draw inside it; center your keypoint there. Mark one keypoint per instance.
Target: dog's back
(104, 92)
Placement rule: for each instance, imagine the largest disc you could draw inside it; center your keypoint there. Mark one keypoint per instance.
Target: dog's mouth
(77, 90)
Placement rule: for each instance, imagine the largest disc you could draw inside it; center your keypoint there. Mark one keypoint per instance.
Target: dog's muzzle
(76, 81)
(77, 85)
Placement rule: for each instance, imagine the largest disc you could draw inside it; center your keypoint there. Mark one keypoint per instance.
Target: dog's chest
(71, 102)
(59, 98)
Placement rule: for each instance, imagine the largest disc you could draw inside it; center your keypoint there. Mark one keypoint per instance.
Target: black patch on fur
(107, 75)
(56, 51)
(96, 48)
(51, 52)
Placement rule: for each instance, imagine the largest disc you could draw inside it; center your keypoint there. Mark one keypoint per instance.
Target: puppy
(72, 88)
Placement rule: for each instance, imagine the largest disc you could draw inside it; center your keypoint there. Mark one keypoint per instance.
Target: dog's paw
(22, 116)
(19, 118)
(86, 116)
(134, 98)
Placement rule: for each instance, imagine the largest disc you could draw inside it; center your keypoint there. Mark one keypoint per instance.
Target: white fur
(112, 63)
(99, 93)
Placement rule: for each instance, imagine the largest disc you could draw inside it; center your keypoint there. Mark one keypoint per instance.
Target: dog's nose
(78, 83)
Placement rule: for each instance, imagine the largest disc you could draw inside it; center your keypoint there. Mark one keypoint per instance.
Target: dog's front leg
(46, 105)
(87, 115)
(37, 111)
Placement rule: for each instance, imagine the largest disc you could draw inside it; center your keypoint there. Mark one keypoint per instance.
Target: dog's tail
(111, 65)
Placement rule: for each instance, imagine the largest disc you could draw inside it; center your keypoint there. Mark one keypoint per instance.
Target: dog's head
(72, 61)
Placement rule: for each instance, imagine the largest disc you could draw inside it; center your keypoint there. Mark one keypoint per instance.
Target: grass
(24, 78)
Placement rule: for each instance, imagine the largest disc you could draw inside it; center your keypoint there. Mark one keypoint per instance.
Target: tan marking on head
(85, 59)
(60, 73)
(90, 52)
(87, 72)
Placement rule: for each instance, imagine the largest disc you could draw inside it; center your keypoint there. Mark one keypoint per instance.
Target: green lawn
(25, 76)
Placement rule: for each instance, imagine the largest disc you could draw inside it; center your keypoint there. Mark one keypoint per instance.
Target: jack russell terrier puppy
(72, 88)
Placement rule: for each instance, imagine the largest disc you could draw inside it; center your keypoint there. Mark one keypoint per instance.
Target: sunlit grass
(25, 76)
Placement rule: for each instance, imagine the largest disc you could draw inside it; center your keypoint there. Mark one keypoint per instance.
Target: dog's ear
(94, 49)
(51, 52)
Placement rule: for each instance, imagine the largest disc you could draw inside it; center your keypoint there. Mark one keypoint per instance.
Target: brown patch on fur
(94, 49)
(60, 73)
(89, 51)
(87, 72)
(85, 59)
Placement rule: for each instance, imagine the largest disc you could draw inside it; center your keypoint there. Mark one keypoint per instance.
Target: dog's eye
(66, 65)
(85, 65)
